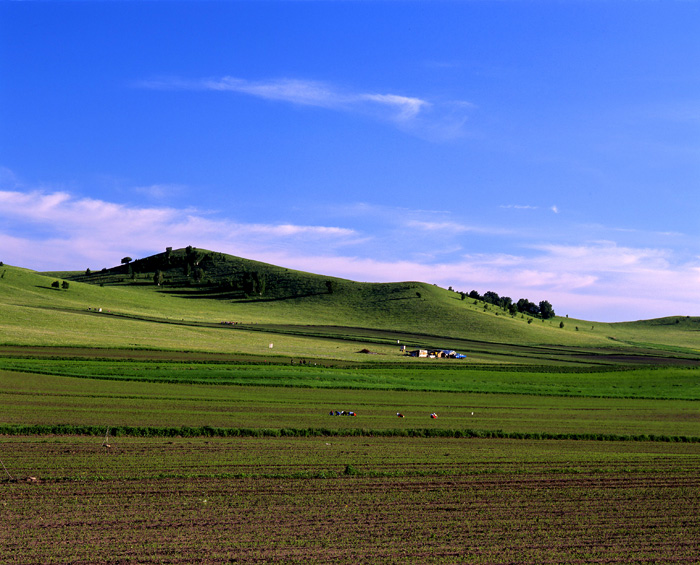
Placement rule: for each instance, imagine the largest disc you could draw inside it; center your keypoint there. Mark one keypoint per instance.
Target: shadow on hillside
(238, 296)
(281, 298)
(205, 293)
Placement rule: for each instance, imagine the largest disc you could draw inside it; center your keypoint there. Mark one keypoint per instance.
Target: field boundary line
(209, 431)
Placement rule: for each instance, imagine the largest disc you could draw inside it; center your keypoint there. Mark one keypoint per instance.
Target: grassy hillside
(201, 289)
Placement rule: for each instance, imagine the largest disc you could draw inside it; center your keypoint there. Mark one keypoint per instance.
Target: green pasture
(48, 400)
(662, 383)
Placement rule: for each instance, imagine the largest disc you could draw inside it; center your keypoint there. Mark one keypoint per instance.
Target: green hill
(311, 314)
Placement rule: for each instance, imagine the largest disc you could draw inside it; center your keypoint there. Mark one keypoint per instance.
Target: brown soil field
(495, 519)
(494, 502)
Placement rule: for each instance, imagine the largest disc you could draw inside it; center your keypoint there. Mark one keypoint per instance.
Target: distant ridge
(201, 288)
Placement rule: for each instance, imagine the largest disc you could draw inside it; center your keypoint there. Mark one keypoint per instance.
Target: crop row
(121, 457)
(502, 519)
(209, 431)
(79, 499)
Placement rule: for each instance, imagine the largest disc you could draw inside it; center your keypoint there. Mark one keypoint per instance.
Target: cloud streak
(597, 280)
(412, 114)
(85, 230)
(554, 208)
(450, 227)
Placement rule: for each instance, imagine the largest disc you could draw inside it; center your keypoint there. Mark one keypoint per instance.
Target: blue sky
(540, 149)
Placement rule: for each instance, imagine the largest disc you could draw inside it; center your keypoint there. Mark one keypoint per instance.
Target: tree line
(542, 310)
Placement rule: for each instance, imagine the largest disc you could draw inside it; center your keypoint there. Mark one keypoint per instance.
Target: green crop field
(191, 422)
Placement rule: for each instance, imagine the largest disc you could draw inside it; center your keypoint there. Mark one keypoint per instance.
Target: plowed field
(348, 500)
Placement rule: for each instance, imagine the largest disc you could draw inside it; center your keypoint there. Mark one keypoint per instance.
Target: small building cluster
(437, 354)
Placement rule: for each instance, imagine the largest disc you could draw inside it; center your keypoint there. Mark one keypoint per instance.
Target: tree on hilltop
(526, 307)
(546, 310)
(492, 297)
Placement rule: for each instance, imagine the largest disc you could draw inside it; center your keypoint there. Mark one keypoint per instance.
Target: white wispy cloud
(307, 93)
(437, 121)
(452, 227)
(605, 293)
(519, 206)
(598, 280)
(407, 108)
(160, 191)
(554, 208)
(85, 230)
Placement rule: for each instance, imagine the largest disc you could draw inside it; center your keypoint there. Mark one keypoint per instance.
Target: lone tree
(126, 260)
(55, 284)
(158, 278)
(65, 285)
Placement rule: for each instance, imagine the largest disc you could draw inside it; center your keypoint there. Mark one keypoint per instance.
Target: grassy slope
(35, 313)
(31, 312)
